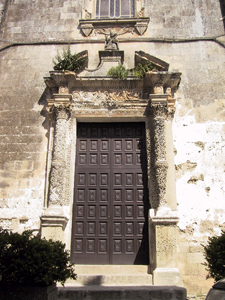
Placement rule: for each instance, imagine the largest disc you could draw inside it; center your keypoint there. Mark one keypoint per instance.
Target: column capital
(161, 105)
(60, 106)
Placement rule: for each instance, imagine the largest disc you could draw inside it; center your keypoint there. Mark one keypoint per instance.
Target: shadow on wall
(222, 6)
(96, 280)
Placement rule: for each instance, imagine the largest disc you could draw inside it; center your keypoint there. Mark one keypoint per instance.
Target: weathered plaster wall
(198, 127)
(36, 20)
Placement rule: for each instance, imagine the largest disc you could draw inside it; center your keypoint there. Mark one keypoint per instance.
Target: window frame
(114, 9)
(89, 22)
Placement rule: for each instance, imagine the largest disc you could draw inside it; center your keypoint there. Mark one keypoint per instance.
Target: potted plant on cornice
(69, 63)
(31, 266)
(120, 72)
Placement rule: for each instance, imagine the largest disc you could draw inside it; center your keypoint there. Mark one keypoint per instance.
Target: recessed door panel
(111, 197)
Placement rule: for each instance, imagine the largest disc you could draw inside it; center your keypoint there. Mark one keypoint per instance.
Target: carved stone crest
(86, 29)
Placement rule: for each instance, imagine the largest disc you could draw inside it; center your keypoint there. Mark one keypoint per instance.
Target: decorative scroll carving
(117, 30)
(104, 97)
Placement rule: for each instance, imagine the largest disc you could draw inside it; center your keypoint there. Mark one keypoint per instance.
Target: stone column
(53, 222)
(162, 219)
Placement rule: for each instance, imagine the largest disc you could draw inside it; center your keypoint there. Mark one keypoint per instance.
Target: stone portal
(95, 97)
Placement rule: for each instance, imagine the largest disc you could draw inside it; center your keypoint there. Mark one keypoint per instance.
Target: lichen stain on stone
(211, 112)
(3, 185)
(207, 189)
(189, 229)
(195, 179)
(181, 169)
(200, 144)
(207, 226)
(214, 111)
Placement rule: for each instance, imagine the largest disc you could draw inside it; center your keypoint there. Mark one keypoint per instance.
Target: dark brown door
(111, 198)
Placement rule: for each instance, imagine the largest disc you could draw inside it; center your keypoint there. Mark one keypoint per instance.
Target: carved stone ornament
(111, 42)
(101, 97)
(86, 29)
(117, 30)
(141, 27)
(158, 112)
(141, 13)
(87, 14)
(63, 90)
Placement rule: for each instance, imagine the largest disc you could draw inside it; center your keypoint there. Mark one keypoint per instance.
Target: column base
(167, 276)
(53, 226)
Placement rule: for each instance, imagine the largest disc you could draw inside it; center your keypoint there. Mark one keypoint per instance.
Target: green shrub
(30, 260)
(140, 70)
(214, 253)
(70, 62)
(118, 72)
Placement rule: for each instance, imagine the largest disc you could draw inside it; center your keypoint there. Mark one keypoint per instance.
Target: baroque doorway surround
(104, 99)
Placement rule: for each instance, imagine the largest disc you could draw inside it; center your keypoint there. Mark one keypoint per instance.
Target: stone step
(111, 269)
(110, 280)
(122, 293)
(111, 275)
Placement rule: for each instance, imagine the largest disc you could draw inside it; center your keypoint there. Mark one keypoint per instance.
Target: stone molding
(88, 25)
(54, 221)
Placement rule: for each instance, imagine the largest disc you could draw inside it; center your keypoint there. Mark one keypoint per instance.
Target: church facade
(124, 170)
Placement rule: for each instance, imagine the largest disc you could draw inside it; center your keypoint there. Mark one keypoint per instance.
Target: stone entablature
(155, 82)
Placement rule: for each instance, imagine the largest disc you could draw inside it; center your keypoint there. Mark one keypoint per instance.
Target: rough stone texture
(198, 126)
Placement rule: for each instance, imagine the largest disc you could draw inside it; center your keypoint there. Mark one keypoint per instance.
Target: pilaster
(53, 222)
(162, 216)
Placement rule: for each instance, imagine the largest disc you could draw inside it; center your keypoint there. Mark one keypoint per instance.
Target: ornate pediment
(95, 93)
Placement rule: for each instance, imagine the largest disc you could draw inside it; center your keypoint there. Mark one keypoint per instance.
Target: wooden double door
(111, 204)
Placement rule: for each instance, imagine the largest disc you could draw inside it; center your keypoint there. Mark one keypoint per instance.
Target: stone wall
(44, 27)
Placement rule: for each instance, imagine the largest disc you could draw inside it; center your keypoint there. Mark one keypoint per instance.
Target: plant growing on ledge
(118, 72)
(27, 260)
(70, 62)
(140, 70)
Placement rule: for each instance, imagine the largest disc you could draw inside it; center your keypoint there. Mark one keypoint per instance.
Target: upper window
(114, 9)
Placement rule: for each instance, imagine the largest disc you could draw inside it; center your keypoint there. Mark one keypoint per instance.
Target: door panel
(111, 196)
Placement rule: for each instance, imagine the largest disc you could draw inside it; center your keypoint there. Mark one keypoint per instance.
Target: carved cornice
(88, 25)
(163, 79)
